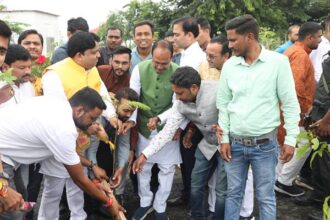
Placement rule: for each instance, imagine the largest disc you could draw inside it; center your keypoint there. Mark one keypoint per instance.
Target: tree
(16, 27)
(137, 11)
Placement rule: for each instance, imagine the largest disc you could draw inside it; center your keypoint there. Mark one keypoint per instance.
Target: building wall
(45, 23)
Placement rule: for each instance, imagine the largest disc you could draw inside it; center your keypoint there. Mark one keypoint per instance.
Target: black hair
(122, 50)
(188, 24)
(185, 77)
(16, 52)
(88, 98)
(149, 23)
(80, 42)
(164, 44)
(244, 24)
(127, 93)
(26, 33)
(169, 33)
(222, 40)
(203, 23)
(77, 24)
(95, 36)
(308, 28)
(115, 28)
(5, 30)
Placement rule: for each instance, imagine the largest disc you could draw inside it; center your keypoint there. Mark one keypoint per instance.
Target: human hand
(116, 178)
(130, 160)
(152, 123)
(321, 127)
(99, 173)
(138, 163)
(287, 152)
(13, 201)
(225, 152)
(187, 138)
(117, 124)
(128, 125)
(177, 134)
(218, 132)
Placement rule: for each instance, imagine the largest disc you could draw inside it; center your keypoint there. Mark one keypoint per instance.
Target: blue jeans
(199, 179)
(263, 160)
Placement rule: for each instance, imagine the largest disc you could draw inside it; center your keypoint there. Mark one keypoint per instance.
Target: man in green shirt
(251, 86)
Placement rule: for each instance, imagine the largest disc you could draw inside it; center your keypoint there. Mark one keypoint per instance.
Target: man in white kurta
(150, 79)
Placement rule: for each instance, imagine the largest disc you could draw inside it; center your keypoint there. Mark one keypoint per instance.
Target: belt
(252, 141)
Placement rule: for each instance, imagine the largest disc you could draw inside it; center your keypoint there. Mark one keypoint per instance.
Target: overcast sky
(94, 11)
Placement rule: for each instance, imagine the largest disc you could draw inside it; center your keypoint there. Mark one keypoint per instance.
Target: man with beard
(116, 76)
(25, 140)
(310, 34)
(63, 79)
(252, 84)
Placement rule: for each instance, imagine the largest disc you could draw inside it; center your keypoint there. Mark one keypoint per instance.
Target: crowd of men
(226, 109)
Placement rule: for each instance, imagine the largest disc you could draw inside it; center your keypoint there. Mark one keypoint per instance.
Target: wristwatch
(4, 175)
(90, 167)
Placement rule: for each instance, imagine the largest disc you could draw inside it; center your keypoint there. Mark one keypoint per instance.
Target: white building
(45, 23)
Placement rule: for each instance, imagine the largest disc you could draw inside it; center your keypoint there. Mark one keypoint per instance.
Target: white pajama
(51, 197)
(287, 172)
(166, 160)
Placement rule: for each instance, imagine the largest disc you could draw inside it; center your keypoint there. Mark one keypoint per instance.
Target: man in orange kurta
(303, 73)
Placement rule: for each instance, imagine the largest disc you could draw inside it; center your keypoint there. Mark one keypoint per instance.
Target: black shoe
(177, 201)
(293, 191)
(316, 215)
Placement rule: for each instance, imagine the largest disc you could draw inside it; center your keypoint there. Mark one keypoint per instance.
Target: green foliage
(8, 77)
(269, 38)
(137, 11)
(312, 142)
(326, 208)
(139, 105)
(16, 27)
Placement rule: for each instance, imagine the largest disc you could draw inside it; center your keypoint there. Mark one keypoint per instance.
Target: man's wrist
(91, 165)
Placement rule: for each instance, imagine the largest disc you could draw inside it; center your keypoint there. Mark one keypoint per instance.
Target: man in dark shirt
(116, 74)
(113, 39)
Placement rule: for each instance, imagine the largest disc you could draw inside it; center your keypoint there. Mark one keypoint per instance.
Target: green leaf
(315, 143)
(302, 150)
(302, 135)
(326, 208)
(139, 105)
(8, 77)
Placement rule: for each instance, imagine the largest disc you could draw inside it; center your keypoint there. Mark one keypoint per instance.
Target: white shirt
(52, 85)
(22, 93)
(193, 56)
(317, 56)
(37, 129)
